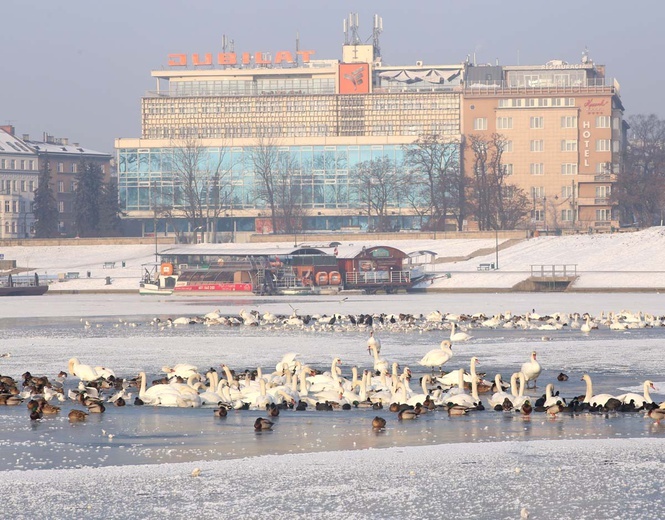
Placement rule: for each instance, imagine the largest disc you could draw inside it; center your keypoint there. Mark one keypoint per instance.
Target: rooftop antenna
(585, 55)
(353, 38)
(227, 46)
(297, 48)
(376, 32)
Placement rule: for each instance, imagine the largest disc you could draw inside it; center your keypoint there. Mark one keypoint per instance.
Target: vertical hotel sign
(354, 78)
(591, 108)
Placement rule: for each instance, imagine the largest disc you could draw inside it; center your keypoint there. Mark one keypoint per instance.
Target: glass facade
(323, 174)
(255, 87)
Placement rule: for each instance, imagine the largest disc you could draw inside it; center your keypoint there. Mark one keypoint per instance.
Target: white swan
(380, 363)
(531, 370)
(438, 357)
(586, 326)
(550, 398)
(638, 400)
(594, 400)
(521, 398)
(500, 396)
(160, 395)
(461, 398)
(373, 341)
(458, 336)
(180, 370)
(84, 372)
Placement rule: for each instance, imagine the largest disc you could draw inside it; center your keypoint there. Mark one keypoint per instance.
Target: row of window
(14, 206)
(570, 145)
(16, 186)
(569, 215)
(18, 164)
(570, 192)
(538, 122)
(536, 102)
(566, 168)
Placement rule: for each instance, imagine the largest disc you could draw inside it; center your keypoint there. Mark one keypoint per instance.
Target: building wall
(557, 150)
(18, 180)
(408, 114)
(64, 168)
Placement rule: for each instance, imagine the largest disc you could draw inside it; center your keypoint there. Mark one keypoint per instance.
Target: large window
(504, 123)
(537, 169)
(568, 121)
(569, 169)
(568, 145)
(603, 145)
(537, 145)
(603, 121)
(480, 123)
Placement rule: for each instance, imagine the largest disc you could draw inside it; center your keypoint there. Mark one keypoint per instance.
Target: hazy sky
(78, 68)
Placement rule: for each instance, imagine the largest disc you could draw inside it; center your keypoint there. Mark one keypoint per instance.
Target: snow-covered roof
(61, 149)
(10, 144)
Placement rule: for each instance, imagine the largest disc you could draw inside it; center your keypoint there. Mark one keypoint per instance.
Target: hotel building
(563, 124)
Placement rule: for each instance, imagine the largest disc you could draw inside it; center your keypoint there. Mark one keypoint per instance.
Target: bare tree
(496, 203)
(441, 184)
(277, 185)
(379, 187)
(202, 184)
(640, 188)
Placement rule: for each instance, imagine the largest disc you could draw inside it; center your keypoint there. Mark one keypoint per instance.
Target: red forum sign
(232, 58)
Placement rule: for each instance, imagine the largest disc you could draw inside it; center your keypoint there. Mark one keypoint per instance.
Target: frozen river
(41, 334)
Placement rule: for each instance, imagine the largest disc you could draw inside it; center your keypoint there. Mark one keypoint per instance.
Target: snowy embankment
(602, 261)
(550, 479)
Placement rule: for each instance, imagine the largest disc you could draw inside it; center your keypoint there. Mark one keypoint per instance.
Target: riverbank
(620, 262)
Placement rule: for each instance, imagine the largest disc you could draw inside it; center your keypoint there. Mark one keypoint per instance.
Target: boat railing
(378, 277)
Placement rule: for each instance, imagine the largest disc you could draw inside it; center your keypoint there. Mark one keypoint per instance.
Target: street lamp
(496, 244)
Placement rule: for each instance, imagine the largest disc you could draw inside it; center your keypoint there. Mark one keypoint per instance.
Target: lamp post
(545, 212)
(496, 245)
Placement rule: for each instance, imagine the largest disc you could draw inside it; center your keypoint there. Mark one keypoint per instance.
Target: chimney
(8, 128)
(76, 145)
(25, 137)
(64, 141)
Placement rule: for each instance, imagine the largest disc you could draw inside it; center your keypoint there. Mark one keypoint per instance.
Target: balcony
(594, 201)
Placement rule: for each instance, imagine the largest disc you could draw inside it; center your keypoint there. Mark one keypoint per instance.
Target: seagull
(344, 299)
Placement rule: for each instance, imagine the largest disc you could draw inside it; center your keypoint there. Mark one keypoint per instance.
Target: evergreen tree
(45, 208)
(110, 223)
(89, 183)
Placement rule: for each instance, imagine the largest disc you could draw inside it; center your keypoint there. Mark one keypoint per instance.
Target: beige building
(564, 133)
(563, 123)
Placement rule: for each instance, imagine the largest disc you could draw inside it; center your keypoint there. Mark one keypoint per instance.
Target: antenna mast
(376, 32)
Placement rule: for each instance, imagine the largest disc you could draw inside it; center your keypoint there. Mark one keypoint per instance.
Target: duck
(553, 410)
(531, 370)
(220, 412)
(562, 377)
(262, 424)
(407, 414)
(526, 408)
(77, 416)
(457, 410)
(657, 414)
(378, 423)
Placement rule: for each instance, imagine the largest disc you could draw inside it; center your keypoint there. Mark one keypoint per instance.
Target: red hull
(215, 287)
